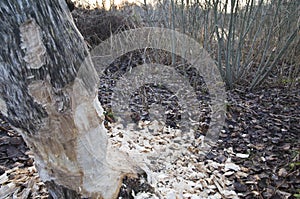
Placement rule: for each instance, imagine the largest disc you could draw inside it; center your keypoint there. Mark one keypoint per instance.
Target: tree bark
(49, 93)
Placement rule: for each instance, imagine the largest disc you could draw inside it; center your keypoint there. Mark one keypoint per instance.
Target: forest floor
(261, 136)
(264, 125)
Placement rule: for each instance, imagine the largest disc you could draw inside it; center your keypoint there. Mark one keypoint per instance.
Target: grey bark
(49, 94)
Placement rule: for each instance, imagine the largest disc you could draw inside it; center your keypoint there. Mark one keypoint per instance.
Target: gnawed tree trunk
(49, 93)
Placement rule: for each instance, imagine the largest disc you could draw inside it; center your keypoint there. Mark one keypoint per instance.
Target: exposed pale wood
(49, 93)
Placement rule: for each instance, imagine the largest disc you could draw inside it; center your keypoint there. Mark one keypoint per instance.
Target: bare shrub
(248, 41)
(98, 25)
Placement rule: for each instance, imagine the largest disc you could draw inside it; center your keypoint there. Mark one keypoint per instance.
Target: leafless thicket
(250, 40)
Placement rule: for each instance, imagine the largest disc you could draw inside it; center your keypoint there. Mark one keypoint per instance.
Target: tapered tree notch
(49, 93)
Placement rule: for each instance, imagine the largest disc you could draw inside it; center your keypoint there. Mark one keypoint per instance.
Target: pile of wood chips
(22, 183)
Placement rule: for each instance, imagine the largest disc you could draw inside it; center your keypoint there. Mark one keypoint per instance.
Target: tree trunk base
(58, 191)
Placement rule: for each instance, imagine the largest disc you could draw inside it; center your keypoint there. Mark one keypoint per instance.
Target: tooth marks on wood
(32, 44)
